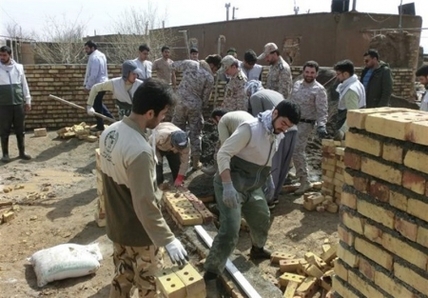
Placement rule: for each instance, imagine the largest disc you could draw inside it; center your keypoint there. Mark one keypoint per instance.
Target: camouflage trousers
(135, 267)
(193, 117)
(304, 131)
(256, 213)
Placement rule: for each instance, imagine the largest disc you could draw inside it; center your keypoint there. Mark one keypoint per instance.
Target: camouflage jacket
(312, 99)
(235, 98)
(197, 82)
(279, 78)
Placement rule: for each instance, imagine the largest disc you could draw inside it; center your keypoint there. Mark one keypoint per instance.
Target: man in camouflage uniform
(312, 99)
(235, 98)
(194, 92)
(279, 75)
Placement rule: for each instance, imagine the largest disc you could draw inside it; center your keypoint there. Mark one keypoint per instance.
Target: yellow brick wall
(383, 230)
(66, 82)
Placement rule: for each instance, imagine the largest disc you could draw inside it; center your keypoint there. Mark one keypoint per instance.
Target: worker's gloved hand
(90, 110)
(176, 252)
(269, 189)
(179, 180)
(322, 132)
(230, 195)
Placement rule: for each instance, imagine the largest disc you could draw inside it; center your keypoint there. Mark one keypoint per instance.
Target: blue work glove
(322, 132)
(230, 195)
(269, 189)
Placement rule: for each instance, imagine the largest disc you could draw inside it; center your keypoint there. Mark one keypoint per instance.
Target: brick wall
(66, 81)
(383, 230)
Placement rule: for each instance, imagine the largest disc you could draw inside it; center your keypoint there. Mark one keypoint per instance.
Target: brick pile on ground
(383, 248)
(332, 166)
(81, 131)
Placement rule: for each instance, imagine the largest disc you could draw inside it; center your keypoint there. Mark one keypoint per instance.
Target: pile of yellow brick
(383, 248)
(302, 277)
(177, 282)
(332, 169)
(81, 131)
(317, 201)
(100, 212)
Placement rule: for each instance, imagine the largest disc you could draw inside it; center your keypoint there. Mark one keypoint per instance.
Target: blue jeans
(257, 215)
(100, 108)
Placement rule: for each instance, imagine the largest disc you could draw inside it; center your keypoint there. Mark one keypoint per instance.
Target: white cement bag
(65, 261)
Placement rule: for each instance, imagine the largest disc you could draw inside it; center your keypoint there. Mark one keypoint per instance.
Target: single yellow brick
(347, 256)
(330, 254)
(374, 253)
(345, 236)
(422, 236)
(394, 125)
(340, 270)
(342, 289)
(191, 279)
(392, 153)
(363, 286)
(171, 286)
(411, 278)
(417, 208)
(307, 285)
(353, 222)
(349, 200)
(390, 286)
(289, 265)
(363, 143)
(419, 132)
(373, 233)
(398, 200)
(381, 171)
(285, 278)
(277, 256)
(413, 159)
(290, 290)
(376, 213)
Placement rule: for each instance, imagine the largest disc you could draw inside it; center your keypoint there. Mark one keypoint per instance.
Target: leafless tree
(134, 27)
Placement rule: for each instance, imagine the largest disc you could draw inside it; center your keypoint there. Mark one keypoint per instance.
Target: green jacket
(379, 88)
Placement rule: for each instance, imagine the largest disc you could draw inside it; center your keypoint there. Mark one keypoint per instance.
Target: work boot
(196, 164)
(21, 147)
(211, 288)
(305, 185)
(259, 253)
(5, 149)
(210, 170)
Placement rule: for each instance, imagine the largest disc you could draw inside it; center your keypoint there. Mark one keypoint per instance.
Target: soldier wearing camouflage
(194, 92)
(279, 76)
(311, 96)
(235, 98)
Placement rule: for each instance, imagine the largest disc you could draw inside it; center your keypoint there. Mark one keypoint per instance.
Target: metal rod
(82, 108)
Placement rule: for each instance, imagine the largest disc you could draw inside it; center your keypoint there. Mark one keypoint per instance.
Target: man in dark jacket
(377, 80)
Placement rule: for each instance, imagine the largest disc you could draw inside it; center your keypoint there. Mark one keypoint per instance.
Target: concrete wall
(66, 81)
(324, 37)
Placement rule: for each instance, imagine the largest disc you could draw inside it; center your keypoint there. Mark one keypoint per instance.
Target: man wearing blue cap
(172, 143)
(123, 89)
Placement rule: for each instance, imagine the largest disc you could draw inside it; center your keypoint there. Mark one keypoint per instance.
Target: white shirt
(146, 67)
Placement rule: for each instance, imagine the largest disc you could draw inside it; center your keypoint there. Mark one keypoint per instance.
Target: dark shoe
(260, 253)
(211, 288)
(96, 129)
(5, 149)
(271, 205)
(21, 147)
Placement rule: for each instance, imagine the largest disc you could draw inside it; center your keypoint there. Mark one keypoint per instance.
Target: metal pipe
(354, 5)
(400, 22)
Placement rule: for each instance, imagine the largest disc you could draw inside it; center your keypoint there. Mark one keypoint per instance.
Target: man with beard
(311, 96)
(96, 72)
(194, 92)
(279, 75)
(123, 89)
(135, 222)
(352, 95)
(15, 100)
(163, 67)
(244, 162)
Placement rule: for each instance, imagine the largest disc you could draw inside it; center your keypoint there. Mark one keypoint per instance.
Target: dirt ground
(57, 205)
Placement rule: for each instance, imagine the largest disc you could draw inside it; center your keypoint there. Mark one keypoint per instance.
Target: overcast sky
(99, 14)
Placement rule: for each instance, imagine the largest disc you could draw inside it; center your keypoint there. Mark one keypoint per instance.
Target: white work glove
(230, 195)
(269, 189)
(90, 110)
(176, 252)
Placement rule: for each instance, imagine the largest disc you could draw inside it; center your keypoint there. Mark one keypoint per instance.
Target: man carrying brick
(134, 218)
(422, 75)
(172, 143)
(123, 89)
(312, 99)
(351, 95)
(279, 76)
(194, 92)
(377, 80)
(234, 98)
(96, 72)
(15, 100)
(244, 162)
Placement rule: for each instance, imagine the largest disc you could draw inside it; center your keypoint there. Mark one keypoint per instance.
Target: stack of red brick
(383, 249)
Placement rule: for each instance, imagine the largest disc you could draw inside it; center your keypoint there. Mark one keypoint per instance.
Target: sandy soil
(57, 205)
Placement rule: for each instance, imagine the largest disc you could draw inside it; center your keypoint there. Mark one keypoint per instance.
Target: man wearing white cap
(279, 76)
(123, 89)
(235, 98)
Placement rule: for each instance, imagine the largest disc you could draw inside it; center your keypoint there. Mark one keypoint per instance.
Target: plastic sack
(65, 261)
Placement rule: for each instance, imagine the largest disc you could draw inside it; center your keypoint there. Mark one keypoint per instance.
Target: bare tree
(133, 27)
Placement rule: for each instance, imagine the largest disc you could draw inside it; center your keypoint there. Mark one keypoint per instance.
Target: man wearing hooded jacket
(244, 162)
(123, 89)
(15, 100)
